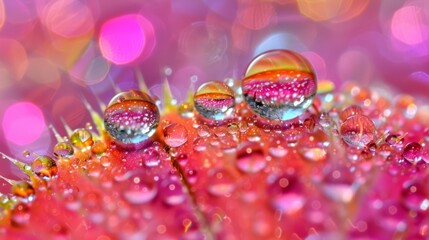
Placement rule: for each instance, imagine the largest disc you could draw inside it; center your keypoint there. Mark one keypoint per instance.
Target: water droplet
(415, 196)
(278, 147)
(313, 146)
(172, 192)
(26, 153)
(186, 110)
(139, 188)
(220, 183)
(286, 193)
(203, 131)
(175, 135)
(20, 214)
(279, 84)
(81, 138)
(23, 190)
(395, 140)
(45, 167)
(99, 148)
(339, 184)
(151, 157)
(64, 150)
(214, 100)
(413, 152)
(350, 111)
(250, 158)
(358, 131)
(132, 120)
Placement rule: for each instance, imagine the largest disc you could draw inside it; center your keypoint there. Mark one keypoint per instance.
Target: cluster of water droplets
(243, 158)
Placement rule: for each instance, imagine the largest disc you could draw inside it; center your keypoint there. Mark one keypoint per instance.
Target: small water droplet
(395, 140)
(214, 100)
(279, 84)
(26, 153)
(175, 135)
(339, 184)
(286, 193)
(24, 191)
(139, 188)
(99, 148)
(186, 110)
(81, 138)
(64, 150)
(413, 152)
(133, 120)
(278, 147)
(358, 131)
(45, 167)
(220, 183)
(151, 157)
(20, 214)
(250, 158)
(172, 192)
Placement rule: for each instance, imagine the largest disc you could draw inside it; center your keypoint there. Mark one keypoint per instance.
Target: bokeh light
(123, 39)
(410, 24)
(2, 14)
(13, 61)
(23, 123)
(68, 18)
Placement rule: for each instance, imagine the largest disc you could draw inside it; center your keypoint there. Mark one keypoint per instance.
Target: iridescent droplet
(139, 189)
(279, 84)
(413, 152)
(286, 193)
(250, 158)
(131, 117)
(64, 150)
(214, 100)
(45, 167)
(81, 138)
(358, 131)
(175, 135)
(23, 190)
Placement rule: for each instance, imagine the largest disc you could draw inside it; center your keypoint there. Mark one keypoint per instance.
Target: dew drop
(413, 152)
(26, 153)
(278, 147)
(313, 146)
(175, 135)
(45, 167)
(64, 150)
(279, 84)
(220, 183)
(99, 148)
(358, 131)
(214, 100)
(250, 158)
(131, 120)
(24, 191)
(339, 184)
(81, 138)
(139, 189)
(286, 193)
(186, 110)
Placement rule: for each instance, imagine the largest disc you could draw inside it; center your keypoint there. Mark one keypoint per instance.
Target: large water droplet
(45, 167)
(131, 117)
(350, 111)
(358, 131)
(175, 135)
(250, 158)
(279, 84)
(139, 188)
(214, 100)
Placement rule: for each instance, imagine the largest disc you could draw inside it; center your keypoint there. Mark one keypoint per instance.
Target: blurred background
(55, 53)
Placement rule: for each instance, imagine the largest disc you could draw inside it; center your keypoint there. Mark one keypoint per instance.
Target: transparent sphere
(214, 100)
(279, 84)
(131, 117)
